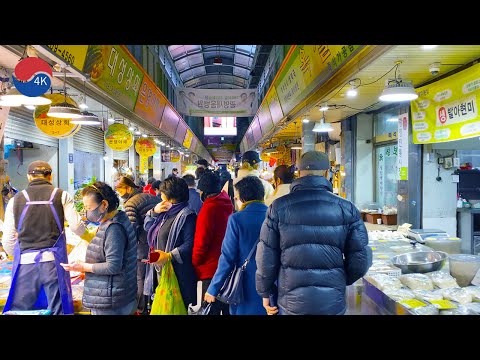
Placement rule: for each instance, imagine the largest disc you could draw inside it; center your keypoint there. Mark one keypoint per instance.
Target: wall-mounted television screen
(220, 125)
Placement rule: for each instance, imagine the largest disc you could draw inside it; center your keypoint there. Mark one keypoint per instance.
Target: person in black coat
(136, 204)
(313, 243)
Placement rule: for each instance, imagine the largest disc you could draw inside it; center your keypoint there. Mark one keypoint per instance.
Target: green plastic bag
(168, 299)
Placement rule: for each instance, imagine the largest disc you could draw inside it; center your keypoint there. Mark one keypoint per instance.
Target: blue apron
(59, 250)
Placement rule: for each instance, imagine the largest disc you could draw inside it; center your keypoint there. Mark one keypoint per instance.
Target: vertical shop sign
(145, 147)
(381, 171)
(402, 147)
(111, 69)
(188, 139)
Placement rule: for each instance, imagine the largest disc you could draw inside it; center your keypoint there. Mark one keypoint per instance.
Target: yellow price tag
(443, 304)
(382, 240)
(412, 303)
(374, 248)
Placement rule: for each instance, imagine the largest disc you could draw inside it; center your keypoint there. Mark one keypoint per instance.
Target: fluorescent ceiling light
(64, 110)
(144, 135)
(138, 132)
(429, 47)
(305, 121)
(324, 107)
(393, 119)
(131, 128)
(14, 98)
(399, 91)
(322, 126)
(83, 106)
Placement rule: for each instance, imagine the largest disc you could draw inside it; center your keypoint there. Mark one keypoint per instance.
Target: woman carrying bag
(171, 229)
(241, 237)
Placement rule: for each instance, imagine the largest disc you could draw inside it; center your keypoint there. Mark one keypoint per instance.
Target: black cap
(251, 157)
(209, 183)
(314, 160)
(39, 167)
(202, 162)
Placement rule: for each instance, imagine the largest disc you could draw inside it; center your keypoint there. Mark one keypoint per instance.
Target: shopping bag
(168, 299)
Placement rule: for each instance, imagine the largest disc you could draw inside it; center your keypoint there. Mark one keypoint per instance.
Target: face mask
(125, 196)
(95, 215)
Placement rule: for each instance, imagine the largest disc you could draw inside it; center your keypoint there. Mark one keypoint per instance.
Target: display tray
(390, 306)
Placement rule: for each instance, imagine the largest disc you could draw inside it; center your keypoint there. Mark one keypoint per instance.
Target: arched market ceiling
(198, 65)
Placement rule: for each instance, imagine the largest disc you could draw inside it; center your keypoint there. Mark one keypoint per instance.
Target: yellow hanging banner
(448, 109)
(145, 147)
(51, 126)
(118, 137)
(143, 164)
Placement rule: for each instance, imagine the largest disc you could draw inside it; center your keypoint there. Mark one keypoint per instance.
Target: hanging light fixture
(87, 118)
(398, 90)
(64, 110)
(322, 126)
(324, 107)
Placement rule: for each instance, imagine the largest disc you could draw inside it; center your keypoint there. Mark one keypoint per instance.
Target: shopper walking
(171, 229)
(313, 243)
(174, 173)
(110, 265)
(148, 188)
(250, 167)
(210, 231)
(241, 236)
(194, 201)
(282, 176)
(33, 232)
(136, 204)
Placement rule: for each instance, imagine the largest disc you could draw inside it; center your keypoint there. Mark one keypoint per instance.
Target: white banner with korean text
(217, 102)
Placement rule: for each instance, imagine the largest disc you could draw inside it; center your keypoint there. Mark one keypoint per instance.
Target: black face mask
(95, 215)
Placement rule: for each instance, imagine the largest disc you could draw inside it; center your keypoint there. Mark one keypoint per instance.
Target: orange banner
(150, 102)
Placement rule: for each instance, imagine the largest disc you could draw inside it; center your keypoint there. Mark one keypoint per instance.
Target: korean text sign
(448, 109)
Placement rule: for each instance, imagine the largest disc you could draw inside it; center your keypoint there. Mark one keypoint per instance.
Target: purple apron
(59, 250)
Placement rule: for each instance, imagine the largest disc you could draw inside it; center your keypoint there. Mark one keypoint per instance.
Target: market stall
(388, 290)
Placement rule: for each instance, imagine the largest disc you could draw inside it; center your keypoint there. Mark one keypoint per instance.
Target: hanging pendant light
(87, 118)
(64, 110)
(322, 126)
(398, 90)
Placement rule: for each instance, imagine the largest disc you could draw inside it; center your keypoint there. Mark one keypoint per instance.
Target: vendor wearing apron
(34, 234)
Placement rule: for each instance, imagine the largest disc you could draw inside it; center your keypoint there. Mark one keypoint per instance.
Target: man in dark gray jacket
(136, 204)
(312, 245)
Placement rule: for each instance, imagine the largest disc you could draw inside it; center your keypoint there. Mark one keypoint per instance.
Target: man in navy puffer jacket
(313, 244)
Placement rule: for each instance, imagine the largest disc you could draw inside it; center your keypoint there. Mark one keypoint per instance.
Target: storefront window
(386, 150)
(386, 181)
(470, 156)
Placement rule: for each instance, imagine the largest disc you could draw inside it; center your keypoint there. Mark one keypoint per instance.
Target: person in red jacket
(147, 189)
(209, 233)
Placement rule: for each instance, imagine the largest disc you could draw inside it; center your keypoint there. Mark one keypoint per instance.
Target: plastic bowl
(463, 267)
